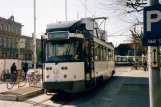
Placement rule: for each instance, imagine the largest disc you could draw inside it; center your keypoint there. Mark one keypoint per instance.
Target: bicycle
(34, 78)
(13, 80)
(4, 75)
(136, 67)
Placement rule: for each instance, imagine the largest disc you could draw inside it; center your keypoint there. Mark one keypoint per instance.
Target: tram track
(55, 101)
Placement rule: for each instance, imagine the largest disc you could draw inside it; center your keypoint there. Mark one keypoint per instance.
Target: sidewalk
(19, 94)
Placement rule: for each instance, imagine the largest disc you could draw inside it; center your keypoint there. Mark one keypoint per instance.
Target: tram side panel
(111, 67)
(101, 69)
(104, 69)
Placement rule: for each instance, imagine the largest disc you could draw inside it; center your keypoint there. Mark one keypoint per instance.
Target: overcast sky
(49, 11)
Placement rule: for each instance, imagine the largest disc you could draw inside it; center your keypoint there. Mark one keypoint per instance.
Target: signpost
(22, 43)
(152, 37)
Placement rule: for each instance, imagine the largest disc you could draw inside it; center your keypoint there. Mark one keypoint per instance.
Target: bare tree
(137, 40)
(129, 11)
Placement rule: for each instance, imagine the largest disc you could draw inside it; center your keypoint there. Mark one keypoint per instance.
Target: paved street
(126, 89)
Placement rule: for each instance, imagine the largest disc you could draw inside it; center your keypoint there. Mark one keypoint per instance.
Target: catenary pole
(34, 44)
(65, 10)
(85, 9)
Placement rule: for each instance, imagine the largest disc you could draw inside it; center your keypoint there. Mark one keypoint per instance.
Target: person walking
(145, 65)
(25, 68)
(14, 71)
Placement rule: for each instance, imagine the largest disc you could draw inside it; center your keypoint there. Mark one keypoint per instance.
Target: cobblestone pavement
(125, 89)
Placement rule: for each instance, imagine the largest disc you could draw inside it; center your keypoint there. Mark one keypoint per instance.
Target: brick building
(10, 33)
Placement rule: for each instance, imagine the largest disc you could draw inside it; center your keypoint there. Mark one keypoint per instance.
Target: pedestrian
(14, 71)
(25, 68)
(145, 65)
(22, 66)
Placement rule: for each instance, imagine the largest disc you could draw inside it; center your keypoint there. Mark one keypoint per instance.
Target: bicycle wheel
(22, 81)
(10, 84)
(31, 81)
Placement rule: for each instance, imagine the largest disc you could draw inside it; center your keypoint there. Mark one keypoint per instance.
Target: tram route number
(151, 41)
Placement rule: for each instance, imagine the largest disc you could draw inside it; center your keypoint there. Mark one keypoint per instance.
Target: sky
(51, 11)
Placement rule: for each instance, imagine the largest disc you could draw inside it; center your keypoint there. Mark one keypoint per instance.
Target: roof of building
(11, 19)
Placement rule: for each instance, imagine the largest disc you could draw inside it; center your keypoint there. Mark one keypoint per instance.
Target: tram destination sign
(152, 26)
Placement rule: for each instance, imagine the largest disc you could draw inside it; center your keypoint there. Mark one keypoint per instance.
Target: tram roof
(70, 26)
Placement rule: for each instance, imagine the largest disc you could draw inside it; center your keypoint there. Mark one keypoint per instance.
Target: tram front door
(89, 64)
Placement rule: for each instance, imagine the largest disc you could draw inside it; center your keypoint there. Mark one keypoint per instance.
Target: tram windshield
(63, 51)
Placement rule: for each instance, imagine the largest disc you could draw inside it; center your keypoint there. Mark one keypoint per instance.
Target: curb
(28, 95)
(20, 95)
(8, 97)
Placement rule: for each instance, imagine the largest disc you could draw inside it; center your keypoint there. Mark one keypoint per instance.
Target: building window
(9, 43)
(17, 31)
(1, 42)
(4, 42)
(1, 27)
(9, 28)
(14, 43)
(6, 28)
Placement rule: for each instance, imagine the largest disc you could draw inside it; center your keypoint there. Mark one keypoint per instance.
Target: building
(127, 49)
(10, 33)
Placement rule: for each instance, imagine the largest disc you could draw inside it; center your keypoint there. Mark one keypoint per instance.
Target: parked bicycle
(136, 67)
(13, 80)
(34, 78)
(4, 75)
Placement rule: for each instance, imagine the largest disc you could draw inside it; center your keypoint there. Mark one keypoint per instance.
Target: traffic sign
(154, 57)
(152, 25)
(22, 43)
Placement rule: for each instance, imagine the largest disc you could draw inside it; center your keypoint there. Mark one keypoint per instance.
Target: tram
(75, 58)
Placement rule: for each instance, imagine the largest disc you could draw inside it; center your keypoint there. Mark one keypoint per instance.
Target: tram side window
(110, 55)
(104, 53)
(96, 51)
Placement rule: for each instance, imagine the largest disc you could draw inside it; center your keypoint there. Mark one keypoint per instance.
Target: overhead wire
(85, 7)
(121, 30)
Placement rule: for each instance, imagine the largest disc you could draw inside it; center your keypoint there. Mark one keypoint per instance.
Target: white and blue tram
(74, 59)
